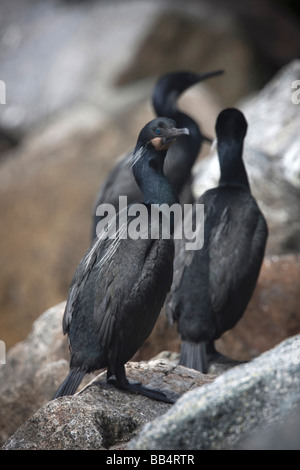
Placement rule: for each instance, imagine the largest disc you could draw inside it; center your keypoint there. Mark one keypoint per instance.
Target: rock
(271, 158)
(211, 35)
(192, 38)
(33, 371)
(102, 417)
(36, 366)
(72, 54)
(237, 403)
(282, 435)
(68, 57)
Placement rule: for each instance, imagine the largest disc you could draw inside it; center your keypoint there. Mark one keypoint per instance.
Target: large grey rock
(282, 435)
(33, 371)
(100, 416)
(271, 156)
(242, 400)
(36, 367)
(60, 55)
(236, 404)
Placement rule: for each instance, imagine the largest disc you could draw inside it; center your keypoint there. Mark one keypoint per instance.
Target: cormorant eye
(157, 131)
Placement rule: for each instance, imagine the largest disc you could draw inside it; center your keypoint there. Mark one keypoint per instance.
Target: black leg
(122, 383)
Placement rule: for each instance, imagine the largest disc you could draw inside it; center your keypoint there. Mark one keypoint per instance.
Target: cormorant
(212, 286)
(121, 283)
(183, 153)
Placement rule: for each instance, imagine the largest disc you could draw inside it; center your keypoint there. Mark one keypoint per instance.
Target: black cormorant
(184, 152)
(212, 286)
(121, 283)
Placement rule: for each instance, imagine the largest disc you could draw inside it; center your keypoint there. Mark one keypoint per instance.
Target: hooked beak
(205, 76)
(173, 132)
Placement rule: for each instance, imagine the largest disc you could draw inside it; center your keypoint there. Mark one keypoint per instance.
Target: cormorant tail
(193, 356)
(70, 384)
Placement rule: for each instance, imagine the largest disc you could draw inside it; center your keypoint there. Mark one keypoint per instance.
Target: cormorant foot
(136, 387)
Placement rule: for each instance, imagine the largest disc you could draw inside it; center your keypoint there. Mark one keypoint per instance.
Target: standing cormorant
(212, 286)
(184, 152)
(121, 283)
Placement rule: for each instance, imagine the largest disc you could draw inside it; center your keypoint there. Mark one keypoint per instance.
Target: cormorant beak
(172, 133)
(196, 78)
(205, 76)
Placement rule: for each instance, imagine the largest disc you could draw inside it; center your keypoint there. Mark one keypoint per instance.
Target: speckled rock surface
(101, 416)
(237, 403)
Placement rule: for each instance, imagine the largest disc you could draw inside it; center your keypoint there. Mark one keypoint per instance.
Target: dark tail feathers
(70, 384)
(193, 356)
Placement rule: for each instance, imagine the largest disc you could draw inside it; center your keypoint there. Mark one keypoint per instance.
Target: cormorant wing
(100, 253)
(80, 277)
(120, 182)
(118, 177)
(236, 247)
(182, 259)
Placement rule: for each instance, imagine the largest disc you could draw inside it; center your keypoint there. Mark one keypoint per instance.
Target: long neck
(155, 186)
(183, 153)
(233, 172)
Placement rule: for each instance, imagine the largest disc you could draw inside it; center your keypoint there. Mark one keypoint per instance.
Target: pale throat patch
(158, 144)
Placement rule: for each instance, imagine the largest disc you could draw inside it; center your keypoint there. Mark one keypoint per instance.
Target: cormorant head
(231, 128)
(160, 133)
(231, 125)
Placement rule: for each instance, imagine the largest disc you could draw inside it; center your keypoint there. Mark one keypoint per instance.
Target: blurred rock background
(79, 76)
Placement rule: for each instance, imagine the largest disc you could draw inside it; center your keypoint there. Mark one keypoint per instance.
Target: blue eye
(157, 131)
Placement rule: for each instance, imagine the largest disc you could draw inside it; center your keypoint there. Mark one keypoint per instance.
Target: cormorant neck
(233, 172)
(149, 175)
(183, 153)
(165, 102)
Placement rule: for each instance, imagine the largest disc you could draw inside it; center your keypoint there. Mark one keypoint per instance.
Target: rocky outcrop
(36, 366)
(234, 406)
(224, 412)
(100, 416)
(281, 435)
(33, 370)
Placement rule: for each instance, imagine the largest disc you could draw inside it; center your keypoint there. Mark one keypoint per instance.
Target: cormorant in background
(184, 152)
(120, 285)
(212, 286)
